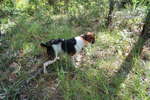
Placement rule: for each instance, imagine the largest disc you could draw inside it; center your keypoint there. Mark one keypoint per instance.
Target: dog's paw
(57, 58)
(45, 71)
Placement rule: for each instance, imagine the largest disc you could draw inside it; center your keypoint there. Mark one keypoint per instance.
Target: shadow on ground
(127, 65)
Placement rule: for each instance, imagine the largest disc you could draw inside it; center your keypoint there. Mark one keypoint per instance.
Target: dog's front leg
(76, 60)
(73, 58)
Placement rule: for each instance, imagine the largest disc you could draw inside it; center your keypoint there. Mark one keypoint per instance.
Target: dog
(70, 46)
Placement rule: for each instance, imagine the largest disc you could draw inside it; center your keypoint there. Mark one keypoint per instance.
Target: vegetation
(116, 67)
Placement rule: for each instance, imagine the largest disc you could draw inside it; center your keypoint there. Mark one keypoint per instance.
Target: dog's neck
(80, 43)
(84, 41)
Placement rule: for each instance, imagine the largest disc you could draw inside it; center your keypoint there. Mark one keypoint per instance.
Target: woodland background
(116, 67)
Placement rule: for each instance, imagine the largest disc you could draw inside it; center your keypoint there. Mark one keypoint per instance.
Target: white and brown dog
(70, 46)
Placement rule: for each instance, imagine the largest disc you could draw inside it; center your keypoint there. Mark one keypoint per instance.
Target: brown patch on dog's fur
(85, 42)
(89, 37)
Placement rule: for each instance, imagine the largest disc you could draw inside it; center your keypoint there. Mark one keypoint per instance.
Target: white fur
(57, 48)
(79, 45)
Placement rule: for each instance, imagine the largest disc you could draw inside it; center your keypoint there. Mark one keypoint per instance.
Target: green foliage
(36, 21)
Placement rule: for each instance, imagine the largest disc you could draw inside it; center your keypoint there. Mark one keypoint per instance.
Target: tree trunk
(146, 28)
(111, 8)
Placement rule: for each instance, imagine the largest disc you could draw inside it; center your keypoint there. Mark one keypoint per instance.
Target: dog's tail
(43, 45)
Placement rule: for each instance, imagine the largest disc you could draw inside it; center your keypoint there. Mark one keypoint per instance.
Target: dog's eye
(91, 38)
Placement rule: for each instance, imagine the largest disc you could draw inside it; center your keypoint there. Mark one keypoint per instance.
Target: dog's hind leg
(48, 63)
(45, 65)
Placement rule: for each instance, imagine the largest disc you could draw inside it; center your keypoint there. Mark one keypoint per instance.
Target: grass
(99, 75)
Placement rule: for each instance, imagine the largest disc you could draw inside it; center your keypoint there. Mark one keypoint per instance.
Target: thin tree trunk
(146, 28)
(111, 8)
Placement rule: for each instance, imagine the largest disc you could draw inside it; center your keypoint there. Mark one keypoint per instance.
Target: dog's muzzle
(93, 41)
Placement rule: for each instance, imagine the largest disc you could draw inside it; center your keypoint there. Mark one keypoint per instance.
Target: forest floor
(103, 71)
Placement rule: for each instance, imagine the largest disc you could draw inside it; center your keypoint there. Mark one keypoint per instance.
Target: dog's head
(89, 37)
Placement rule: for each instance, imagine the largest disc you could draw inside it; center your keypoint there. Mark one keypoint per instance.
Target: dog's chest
(79, 44)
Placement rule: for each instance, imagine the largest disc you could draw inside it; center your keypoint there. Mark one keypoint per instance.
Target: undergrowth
(98, 75)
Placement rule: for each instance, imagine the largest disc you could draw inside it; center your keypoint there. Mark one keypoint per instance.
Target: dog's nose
(93, 41)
